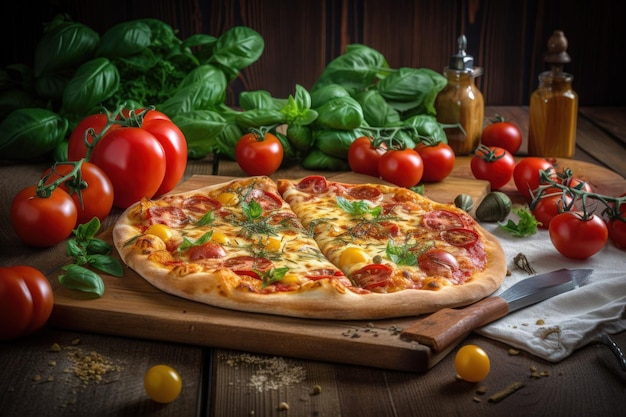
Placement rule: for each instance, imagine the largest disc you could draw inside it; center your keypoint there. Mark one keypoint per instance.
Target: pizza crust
(323, 299)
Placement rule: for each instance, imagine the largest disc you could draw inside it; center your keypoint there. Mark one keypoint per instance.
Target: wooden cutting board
(132, 307)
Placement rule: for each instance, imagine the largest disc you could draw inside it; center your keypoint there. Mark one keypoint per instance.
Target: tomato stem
(45, 191)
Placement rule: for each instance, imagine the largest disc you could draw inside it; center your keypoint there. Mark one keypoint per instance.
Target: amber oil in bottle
(553, 109)
(461, 103)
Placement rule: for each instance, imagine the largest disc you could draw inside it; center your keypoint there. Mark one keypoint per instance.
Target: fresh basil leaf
(88, 230)
(106, 264)
(400, 254)
(272, 276)
(208, 218)
(358, 207)
(525, 226)
(98, 246)
(80, 278)
(251, 210)
(201, 240)
(74, 249)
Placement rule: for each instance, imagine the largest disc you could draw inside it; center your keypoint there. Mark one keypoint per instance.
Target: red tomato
(526, 174)
(577, 184)
(26, 301)
(505, 135)
(43, 221)
(258, 155)
(209, 250)
(363, 156)
(576, 237)
(493, 164)
(174, 144)
(438, 161)
(617, 226)
(552, 202)
(96, 190)
(134, 161)
(402, 167)
(77, 148)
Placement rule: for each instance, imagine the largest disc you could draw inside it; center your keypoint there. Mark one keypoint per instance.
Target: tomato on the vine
(472, 363)
(43, 221)
(134, 161)
(26, 300)
(402, 167)
(174, 144)
(552, 202)
(363, 156)
(438, 160)
(617, 225)
(96, 190)
(506, 135)
(493, 164)
(259, 153)
(77, 147)
(526, 174)
(577, 236)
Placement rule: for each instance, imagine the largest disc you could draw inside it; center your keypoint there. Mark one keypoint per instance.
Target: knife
(447, 326)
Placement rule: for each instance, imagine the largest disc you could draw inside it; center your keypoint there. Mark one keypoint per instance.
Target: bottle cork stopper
(557, 49)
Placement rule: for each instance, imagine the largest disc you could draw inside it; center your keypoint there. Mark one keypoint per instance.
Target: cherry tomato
(503, 134)
(578, 184)
(162, 384)
(209, 250)
(472, 363)
(134, 161)
(577, 237)
(493, 164)
(174, 144)
(438, 161)
(96, 190)
(259, 155)
(77, 148)
(526, 174)
(43, 221)
(551, 203)
(363, 156)
(402, 167)
(26, 301)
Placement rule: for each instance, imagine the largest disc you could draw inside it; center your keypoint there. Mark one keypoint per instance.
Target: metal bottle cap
(461, 61)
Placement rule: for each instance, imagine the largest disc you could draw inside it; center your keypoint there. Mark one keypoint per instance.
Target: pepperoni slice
(442, 220)
(372, 276)
(267, 200)
(199, 204)
(209, 250)
(313, 184)
(248, 265)
(168, 215)
(460, 237)
(365, 192)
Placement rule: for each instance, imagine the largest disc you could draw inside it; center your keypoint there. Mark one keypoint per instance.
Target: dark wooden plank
(39, 381)
(367, 392)
(610, 119)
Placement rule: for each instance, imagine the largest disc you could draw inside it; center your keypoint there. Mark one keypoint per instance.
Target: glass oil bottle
(460, 102)
(553, 109)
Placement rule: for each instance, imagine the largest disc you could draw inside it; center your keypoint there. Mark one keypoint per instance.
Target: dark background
(507, 38)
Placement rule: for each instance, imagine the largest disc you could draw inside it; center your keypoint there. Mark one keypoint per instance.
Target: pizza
(310, 248)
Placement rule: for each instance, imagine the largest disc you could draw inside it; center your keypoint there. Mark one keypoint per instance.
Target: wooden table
(38, 380)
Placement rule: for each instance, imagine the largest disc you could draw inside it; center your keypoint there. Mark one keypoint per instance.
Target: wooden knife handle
(444, 327)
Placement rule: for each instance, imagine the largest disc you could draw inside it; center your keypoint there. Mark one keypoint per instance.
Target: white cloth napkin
(554, 328)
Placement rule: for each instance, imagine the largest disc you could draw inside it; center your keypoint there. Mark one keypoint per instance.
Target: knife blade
(447, 326)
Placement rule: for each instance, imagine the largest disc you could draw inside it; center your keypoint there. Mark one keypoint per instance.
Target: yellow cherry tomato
(472, 363)
(352, 255)
(272, 244)
(160, 230)
(290, 279)
(162, 384)
(228, 199)
(219, 237)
